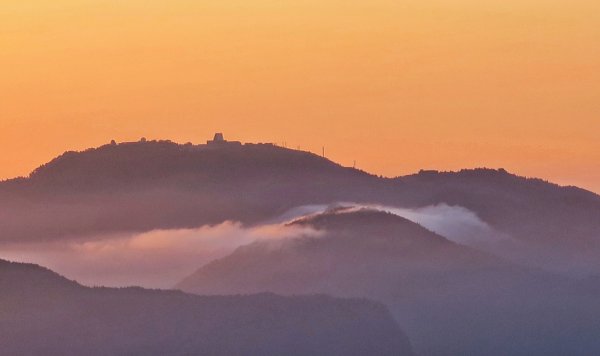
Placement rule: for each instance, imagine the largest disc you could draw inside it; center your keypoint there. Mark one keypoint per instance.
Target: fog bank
(154, 259)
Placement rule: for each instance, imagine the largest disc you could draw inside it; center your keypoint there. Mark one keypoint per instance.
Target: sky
(395, 85)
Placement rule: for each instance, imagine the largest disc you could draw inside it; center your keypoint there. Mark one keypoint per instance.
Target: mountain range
(141, 186)
(479, 261)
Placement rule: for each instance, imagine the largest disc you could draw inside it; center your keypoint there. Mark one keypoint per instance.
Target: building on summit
(219, 140)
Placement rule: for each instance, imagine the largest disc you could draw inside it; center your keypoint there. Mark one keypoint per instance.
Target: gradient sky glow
(396, 85)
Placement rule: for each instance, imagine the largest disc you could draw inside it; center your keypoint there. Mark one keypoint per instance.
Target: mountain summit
(147, 185)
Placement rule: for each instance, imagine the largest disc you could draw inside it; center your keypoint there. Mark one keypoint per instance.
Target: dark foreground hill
(450, 299)
(42, 313)
(142, 186)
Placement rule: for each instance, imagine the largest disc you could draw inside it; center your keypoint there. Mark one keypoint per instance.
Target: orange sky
(396, 85)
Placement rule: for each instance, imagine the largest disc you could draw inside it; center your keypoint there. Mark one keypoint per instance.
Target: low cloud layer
(456, 223)
(156, 259)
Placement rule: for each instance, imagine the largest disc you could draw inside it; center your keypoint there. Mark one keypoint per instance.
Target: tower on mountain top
(218, 139)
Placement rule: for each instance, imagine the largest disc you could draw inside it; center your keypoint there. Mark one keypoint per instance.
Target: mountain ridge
(451, 298)
(42, 313)
(142, 186)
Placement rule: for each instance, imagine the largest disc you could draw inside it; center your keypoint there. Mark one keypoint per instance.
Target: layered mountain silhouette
(534, 291)
(42, 313)
(360, 248)
(451, 299)
(140, 186)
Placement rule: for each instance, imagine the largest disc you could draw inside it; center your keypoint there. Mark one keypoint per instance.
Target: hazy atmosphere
(156, 258)
(299, 178)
